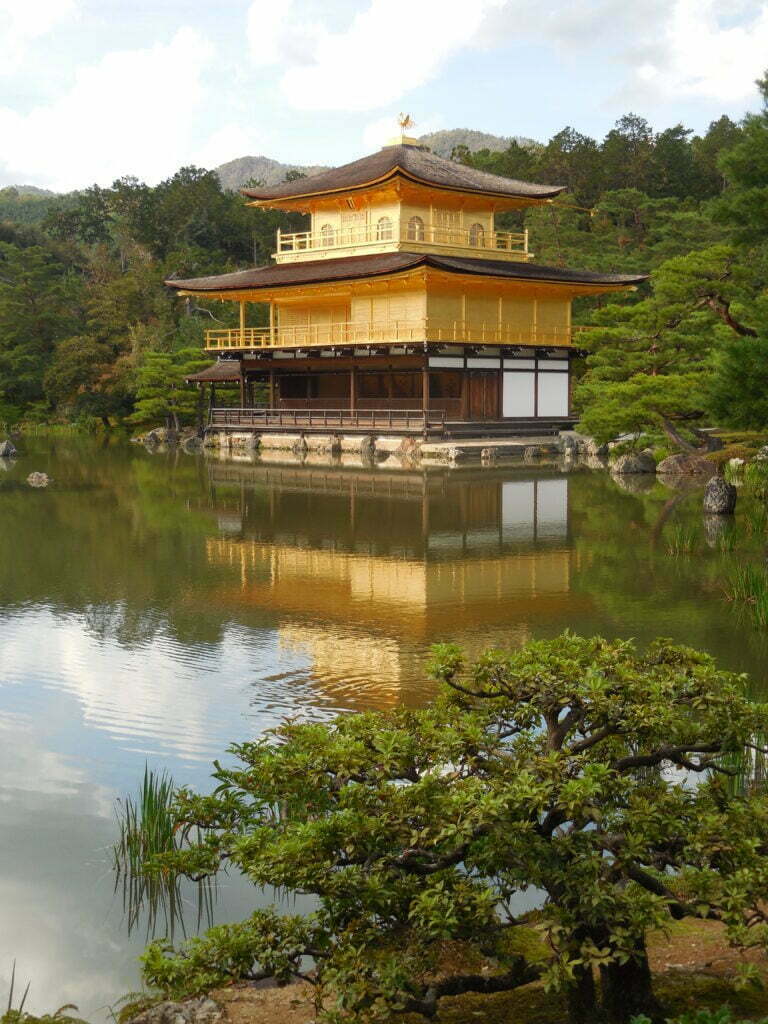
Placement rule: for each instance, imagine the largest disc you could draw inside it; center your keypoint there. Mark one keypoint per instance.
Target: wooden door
(483, 387)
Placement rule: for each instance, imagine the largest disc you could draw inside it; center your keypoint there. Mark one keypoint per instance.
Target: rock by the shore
(38, 479)
(192, 444)
(191, 1011)
(7, 451)
(686, 464)
(719, 497)
(762, 454)
(157, 436)
(581, 444)
(634, 462)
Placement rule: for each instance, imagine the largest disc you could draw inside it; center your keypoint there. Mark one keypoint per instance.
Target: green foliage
(737, 392)
(682, 539)
(744, 206)
(756, 478)
(147, 827)
(161, 392)
(650, 364)
(749, 584)
(546, 767)
(721, 1016)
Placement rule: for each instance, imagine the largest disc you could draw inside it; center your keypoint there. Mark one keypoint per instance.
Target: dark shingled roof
(220, 371)
(410, 162)
(377, 264)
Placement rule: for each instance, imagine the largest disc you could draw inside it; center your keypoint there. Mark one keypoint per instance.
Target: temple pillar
(353, 390)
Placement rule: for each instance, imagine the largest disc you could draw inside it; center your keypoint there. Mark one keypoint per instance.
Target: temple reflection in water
(365, 569)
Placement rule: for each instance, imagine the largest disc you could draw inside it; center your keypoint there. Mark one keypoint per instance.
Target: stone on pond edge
(719, 497)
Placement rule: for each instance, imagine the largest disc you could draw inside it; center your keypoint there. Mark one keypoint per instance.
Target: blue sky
(90, 91)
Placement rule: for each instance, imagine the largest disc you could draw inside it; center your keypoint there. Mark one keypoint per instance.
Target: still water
(155, 608)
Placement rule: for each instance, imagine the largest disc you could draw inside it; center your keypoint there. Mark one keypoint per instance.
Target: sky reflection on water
(155, 609)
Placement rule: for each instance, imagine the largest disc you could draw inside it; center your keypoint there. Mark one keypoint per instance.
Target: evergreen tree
(161, 391)
(649, 363)
(744, 206)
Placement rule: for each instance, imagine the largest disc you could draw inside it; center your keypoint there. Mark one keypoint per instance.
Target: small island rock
(7, 451)
(685, 464)
(719, 497)
(38, 479)
(634, 462)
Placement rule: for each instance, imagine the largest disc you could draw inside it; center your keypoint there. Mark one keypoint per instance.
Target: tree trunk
(581, 996)
(676, 438)
(627, 991)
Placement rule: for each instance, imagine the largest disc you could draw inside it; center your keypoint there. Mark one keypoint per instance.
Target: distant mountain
(443, 143)
(29, 190)
(236, 173)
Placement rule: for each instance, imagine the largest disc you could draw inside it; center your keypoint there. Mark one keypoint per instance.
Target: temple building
(403, 310)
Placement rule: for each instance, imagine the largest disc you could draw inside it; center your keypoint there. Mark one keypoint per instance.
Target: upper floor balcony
(385, 332)
(412, 235)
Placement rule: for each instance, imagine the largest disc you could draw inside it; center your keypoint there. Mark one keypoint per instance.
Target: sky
(93, 90)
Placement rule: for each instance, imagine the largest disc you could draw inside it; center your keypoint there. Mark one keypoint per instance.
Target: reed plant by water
(146, 828)
(682, 539)
(749, 585)
(756, 479)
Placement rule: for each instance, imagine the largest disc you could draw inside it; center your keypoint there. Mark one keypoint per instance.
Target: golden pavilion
(403, 310)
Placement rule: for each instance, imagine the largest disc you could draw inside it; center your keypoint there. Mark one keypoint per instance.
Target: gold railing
(402, 231)
(384, 332)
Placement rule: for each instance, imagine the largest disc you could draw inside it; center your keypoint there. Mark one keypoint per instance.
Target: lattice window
(477, 236)
(415, 229)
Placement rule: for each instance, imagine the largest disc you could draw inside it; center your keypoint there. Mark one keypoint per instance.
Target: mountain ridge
(234, 174)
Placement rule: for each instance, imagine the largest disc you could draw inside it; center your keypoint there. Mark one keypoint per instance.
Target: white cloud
(388, 49)
(132, 112)
(226, 143)
(22, 21)
(709, 49)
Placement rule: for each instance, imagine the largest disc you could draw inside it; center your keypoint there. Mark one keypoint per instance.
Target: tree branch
(521, 973)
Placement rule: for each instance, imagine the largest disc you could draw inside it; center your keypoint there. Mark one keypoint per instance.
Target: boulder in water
(7, 451)
(634, 462)
(719, 497)
(38, 479)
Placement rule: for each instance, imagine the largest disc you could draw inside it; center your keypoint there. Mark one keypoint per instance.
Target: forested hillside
(83, 308)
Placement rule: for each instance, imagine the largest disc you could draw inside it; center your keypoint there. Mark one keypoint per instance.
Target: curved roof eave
(382, 264)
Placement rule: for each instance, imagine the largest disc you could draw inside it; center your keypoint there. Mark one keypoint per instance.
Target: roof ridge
(421, 165)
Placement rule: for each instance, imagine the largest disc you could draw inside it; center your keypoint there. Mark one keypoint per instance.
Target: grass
(682, 540)
(756, 479)
(749, 585)
(146, 828)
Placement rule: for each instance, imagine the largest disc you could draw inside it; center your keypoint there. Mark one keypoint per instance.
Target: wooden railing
(403, 231)
(432, 420)
(384, 332)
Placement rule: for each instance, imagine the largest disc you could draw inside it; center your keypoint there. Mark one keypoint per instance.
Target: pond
(155, 608)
